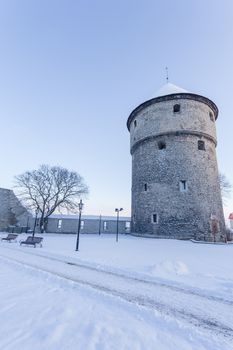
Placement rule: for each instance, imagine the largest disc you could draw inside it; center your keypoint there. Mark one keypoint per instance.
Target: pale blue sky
(72, 71)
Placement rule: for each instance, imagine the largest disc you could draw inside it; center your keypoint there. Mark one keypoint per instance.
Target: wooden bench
(10, 237)
(32, 241)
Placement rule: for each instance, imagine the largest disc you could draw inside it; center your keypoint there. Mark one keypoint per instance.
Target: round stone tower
(175, 186)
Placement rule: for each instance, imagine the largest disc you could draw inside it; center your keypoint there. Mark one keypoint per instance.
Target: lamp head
(80, 205)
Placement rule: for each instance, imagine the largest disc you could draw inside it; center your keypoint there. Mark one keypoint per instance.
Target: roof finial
(166, 74)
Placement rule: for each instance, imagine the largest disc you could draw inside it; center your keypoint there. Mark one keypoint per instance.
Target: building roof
(169, 89)
(89, 217)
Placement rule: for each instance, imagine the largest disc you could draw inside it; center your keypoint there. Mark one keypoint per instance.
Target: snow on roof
(89, 217)
(169, 89)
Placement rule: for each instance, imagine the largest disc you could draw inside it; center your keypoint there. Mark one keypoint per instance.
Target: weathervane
(166, 74)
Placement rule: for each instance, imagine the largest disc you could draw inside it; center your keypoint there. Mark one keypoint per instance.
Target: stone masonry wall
(181, 214)
(11, 210)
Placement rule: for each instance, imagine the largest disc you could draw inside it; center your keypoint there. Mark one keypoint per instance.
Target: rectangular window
(127, 226)
(105, 225)
(82, 225)
(201, 145)
(211, 116)
(145, 187)
(183, 186)
(161, 145)
(59, 223)
(154, 218)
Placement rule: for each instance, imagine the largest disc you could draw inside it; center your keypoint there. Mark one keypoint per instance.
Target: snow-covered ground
(135, 294)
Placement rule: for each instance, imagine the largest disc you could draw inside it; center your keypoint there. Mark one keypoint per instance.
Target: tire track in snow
(128, 277)
(205, 320)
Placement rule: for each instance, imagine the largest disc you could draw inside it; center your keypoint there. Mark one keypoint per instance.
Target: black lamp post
(80, 208)
(117, 211)
(34, 228)
(27, 224)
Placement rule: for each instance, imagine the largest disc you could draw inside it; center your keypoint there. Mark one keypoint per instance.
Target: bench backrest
(34, 239)
(11, 236)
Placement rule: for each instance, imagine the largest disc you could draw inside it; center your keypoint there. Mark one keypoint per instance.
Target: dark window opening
(135, 123)
(154, 218)
(145, 187)
(183, 185)
(161, 145)
(134, 218)
(211, 116)
(201, 145)
(176, 108)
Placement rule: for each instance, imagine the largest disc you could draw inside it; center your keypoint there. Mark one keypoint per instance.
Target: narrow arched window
(134, 218)
(183, 186)
(176, 108)
(145, 187)
(135, 123)
(211, 116)
(154, 218)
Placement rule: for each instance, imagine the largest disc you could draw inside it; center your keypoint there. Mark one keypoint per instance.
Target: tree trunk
(45, 224)
(42, 224)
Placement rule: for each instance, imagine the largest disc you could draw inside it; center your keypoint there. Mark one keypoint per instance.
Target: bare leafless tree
(225, 187)
(48, 189)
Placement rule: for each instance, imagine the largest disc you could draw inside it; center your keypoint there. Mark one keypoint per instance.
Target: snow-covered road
(137, 294)
(209, 313)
